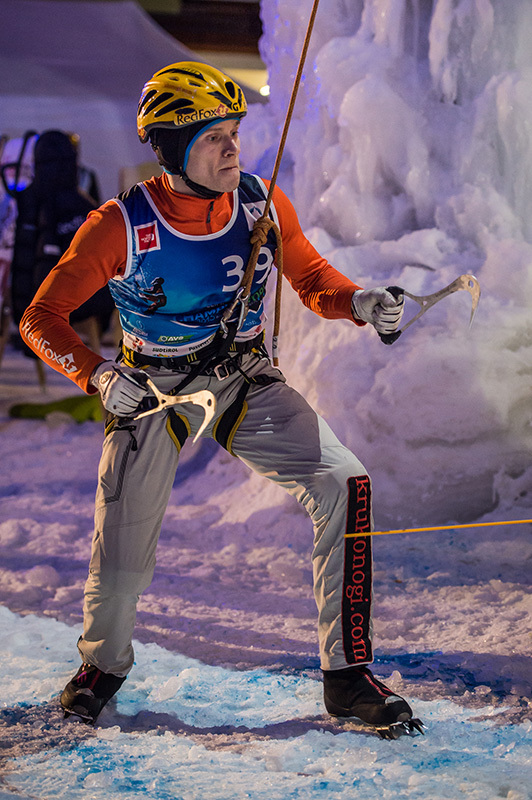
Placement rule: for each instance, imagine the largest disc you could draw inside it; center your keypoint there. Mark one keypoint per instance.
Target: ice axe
(467, 282)
(203, 398)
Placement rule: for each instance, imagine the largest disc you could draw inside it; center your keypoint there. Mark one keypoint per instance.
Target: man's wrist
(94, 379)
(356, 317)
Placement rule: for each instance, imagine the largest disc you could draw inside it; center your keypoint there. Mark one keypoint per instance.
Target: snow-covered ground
(225, 698)
(410, 162)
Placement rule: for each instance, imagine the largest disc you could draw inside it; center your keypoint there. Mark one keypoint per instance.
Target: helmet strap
(203, 191)
(172, 148)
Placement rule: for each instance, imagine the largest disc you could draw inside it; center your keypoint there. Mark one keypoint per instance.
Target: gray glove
(121, 388)
(378, 307)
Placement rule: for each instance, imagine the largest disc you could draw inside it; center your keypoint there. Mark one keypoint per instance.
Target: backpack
(50, 209)
(16, 165)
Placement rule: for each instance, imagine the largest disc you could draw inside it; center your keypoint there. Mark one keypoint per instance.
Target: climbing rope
(264, 224)
(259, 236)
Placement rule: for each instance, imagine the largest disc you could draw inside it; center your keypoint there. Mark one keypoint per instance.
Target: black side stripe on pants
(178, 428)
(227, 425)
(356, 593)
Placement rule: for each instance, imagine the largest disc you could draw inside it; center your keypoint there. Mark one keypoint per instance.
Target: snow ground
(225, 698)
(409, 161)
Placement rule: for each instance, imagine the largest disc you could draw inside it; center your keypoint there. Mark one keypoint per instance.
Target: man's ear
(152, 135)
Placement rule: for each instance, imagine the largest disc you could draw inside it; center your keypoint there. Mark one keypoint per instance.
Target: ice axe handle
(390, 338)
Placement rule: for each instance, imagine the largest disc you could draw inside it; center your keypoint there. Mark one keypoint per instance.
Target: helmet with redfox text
(178, 104)
(187, 93)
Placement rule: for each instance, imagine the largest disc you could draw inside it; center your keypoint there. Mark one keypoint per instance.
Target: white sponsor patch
(253, 212)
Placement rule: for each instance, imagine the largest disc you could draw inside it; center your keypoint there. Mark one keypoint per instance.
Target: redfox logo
(185, 117)
(43, 347)
(147, 237)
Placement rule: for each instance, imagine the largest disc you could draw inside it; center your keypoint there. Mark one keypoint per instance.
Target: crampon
(356, 692)
(409, 727)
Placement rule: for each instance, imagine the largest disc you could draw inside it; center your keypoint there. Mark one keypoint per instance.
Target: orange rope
(291, 104)
(259, 236)
(440, 528)
(264, 223)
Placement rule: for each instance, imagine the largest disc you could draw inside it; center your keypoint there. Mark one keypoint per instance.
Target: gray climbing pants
(279, 436)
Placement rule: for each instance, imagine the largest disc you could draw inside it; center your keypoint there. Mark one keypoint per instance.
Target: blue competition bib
(176, 286)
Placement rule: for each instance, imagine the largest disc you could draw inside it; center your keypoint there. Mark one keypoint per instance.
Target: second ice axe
(203, 398)
(467, 282)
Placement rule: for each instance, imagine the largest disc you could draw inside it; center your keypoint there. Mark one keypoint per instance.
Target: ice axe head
(471, 285)
(467, 282)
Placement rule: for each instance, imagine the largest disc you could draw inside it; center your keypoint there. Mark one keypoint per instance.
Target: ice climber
(173, 250)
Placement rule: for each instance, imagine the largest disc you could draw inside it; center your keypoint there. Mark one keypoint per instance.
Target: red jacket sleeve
(95, 255)
(321, 287)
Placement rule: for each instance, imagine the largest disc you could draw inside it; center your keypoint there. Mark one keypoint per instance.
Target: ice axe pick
(467, 282)
(203, 398)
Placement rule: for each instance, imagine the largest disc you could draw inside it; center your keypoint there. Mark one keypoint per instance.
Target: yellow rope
(264, 223)
(440, 528)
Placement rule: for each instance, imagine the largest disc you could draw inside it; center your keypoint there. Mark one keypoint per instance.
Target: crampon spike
(409, 727)
(76, 716)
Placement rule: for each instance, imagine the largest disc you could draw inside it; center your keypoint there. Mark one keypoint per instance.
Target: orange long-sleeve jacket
(98, 252)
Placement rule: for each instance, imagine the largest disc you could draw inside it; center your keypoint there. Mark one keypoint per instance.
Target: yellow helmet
(185, 93)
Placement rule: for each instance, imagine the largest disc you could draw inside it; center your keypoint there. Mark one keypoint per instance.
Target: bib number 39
(236, 270)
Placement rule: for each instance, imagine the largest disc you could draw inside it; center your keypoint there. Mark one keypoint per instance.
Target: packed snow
(409, 160)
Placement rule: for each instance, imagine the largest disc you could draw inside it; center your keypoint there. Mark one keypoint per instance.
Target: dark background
(208, 25)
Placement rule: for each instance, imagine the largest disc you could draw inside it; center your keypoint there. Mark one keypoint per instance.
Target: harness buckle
(222, 371)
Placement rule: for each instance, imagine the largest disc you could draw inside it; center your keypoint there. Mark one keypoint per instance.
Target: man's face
(213, 159)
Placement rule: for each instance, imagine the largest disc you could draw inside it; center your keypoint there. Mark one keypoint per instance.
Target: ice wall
(409, 161)
(403, 102)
